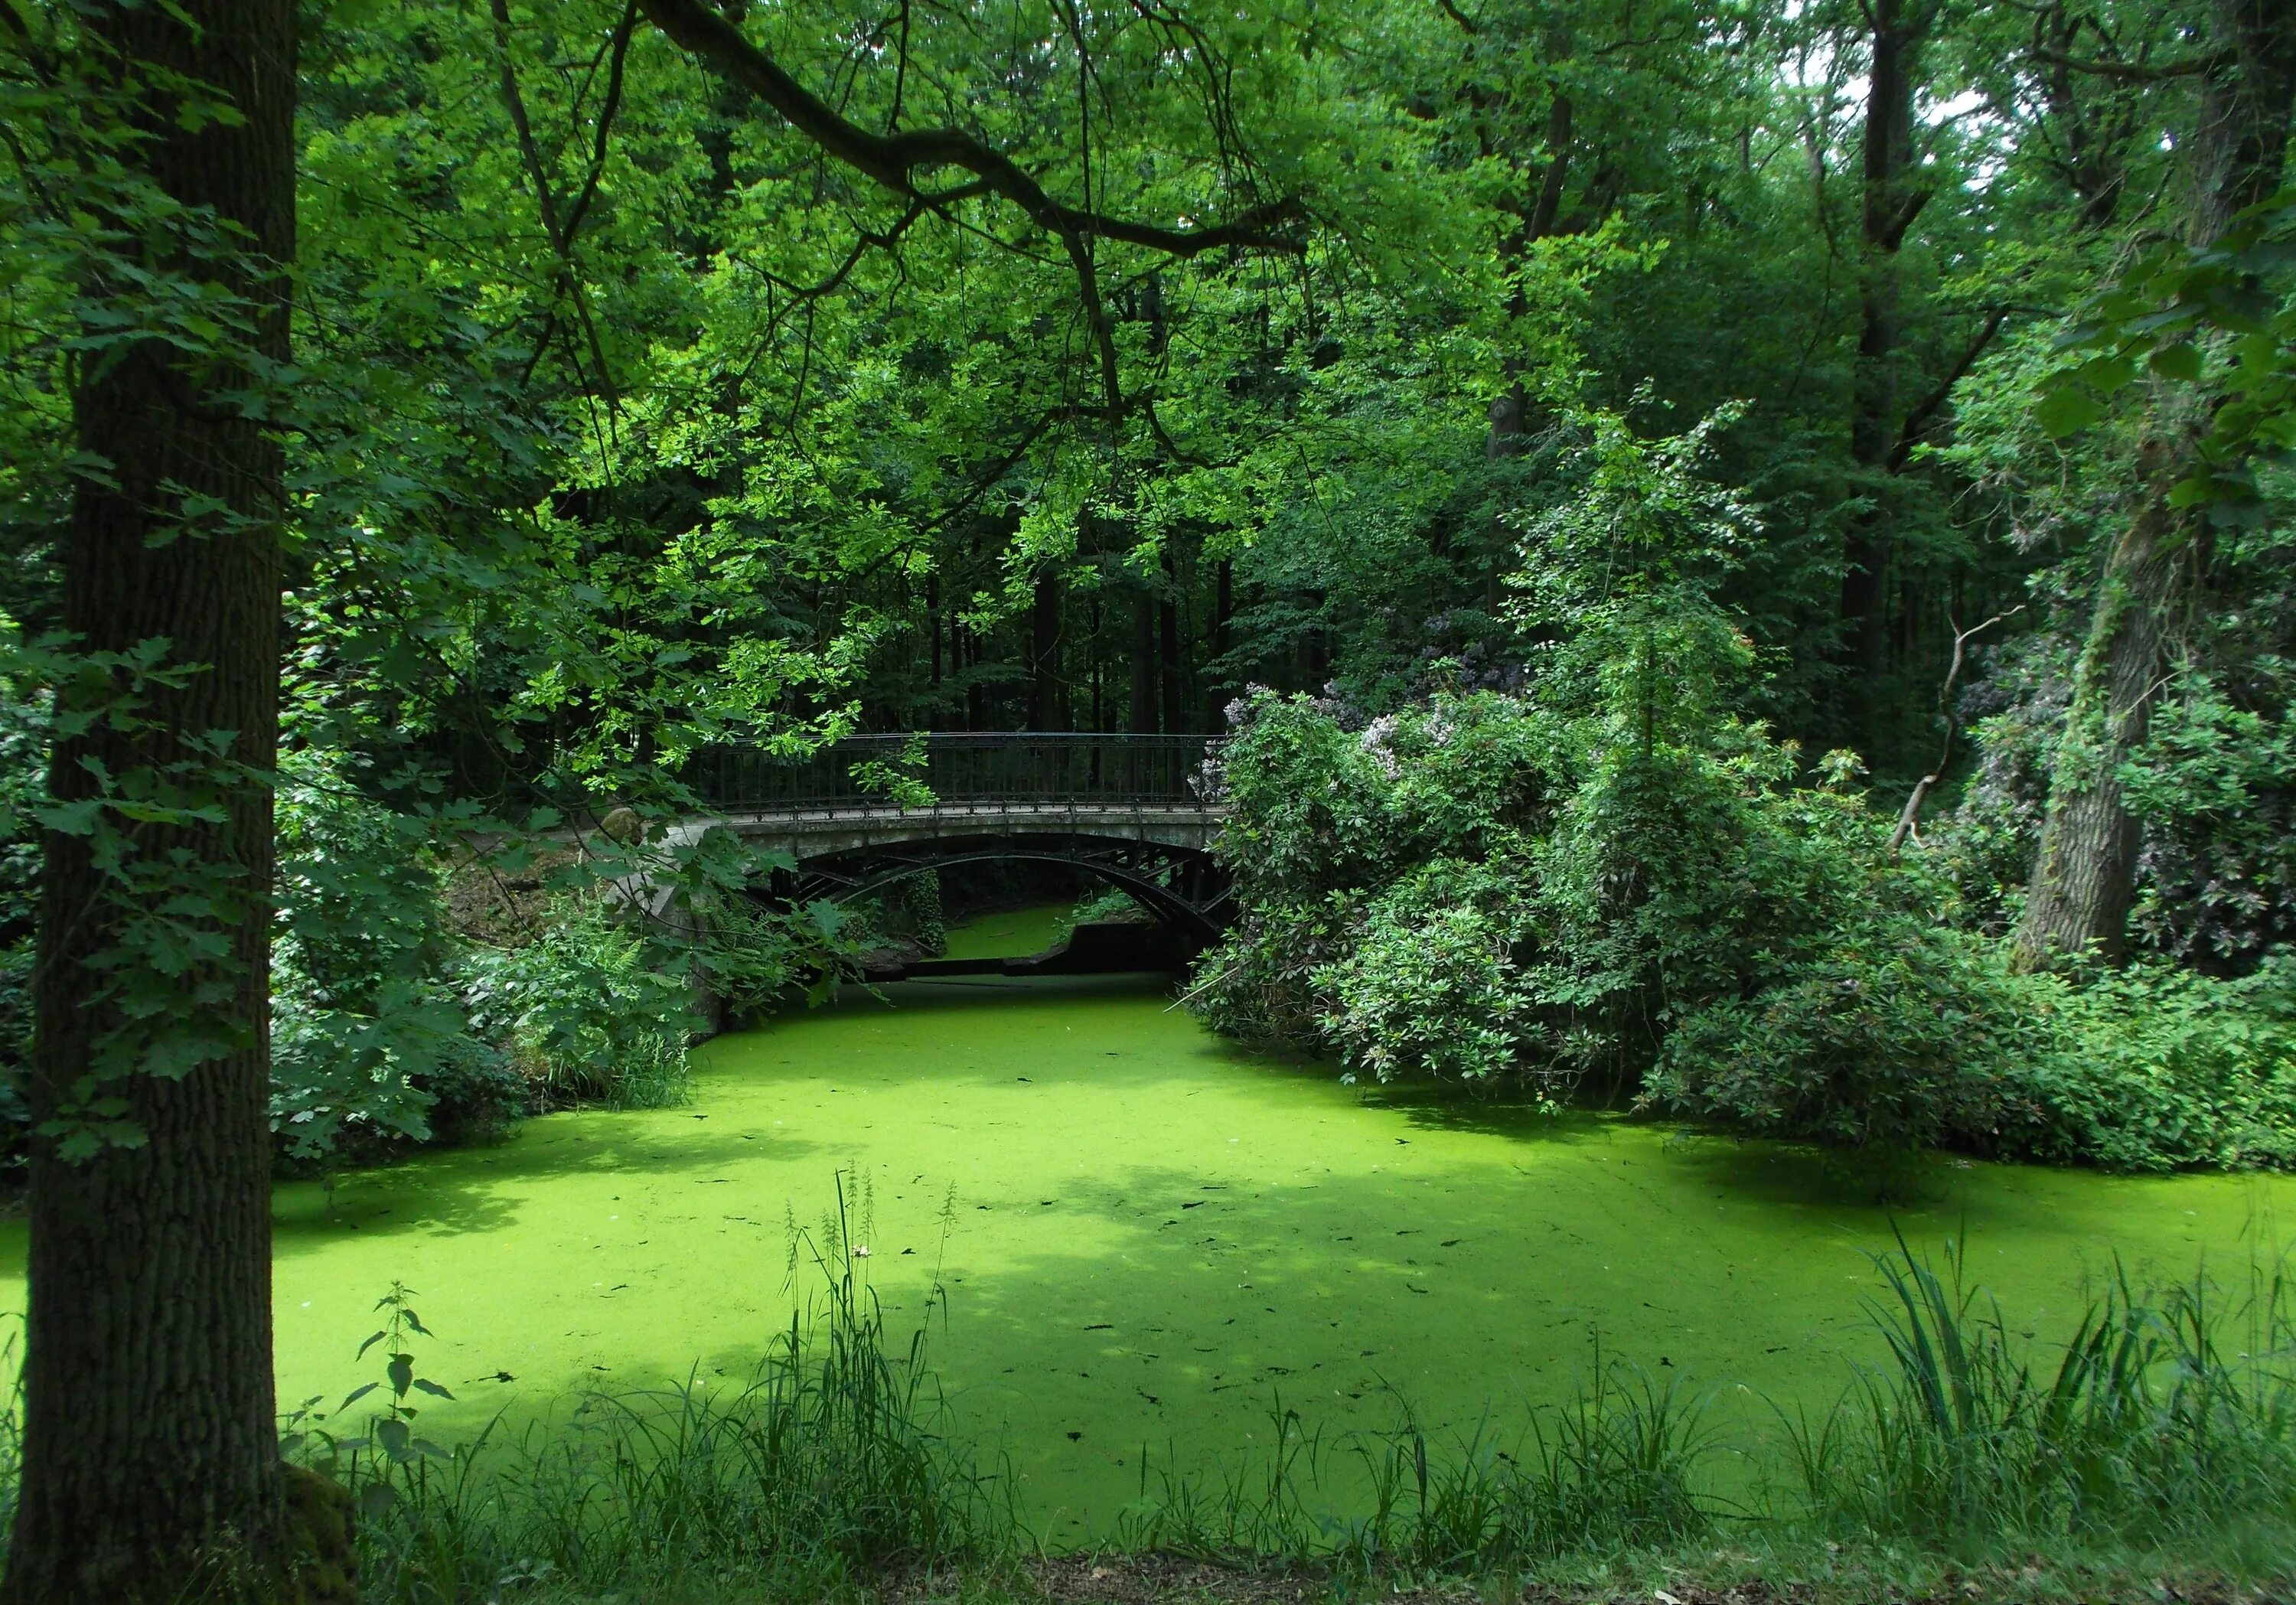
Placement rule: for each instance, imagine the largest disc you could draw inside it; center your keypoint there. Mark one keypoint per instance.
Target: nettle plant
(389, 1442)
(390, 1430)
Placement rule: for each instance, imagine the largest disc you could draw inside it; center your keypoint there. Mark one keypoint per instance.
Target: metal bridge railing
(963, 769)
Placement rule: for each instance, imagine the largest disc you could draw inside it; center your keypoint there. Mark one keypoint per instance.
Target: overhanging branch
(898, 160)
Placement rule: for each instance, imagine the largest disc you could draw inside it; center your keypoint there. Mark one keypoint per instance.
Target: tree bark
(1890, 204)
(1047, 696)
(151, 1453)
(2084, 875)
(1170, 666)
(1223, 610)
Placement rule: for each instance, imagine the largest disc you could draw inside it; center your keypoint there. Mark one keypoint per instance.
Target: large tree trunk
(1891, 198)
(1169, 663)
(1141, 706)
(150, 1439)
(2084, 875)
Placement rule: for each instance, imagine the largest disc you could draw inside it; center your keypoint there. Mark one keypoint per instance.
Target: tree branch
(897, 160)
(1910, 433)
(2135, 72)
(1911, 814)
(558, 231)
(605, 121)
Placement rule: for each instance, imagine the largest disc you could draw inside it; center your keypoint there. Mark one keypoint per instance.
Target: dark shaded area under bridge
(1128, 810)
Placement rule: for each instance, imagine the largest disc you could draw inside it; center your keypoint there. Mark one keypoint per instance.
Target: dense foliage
(1618, 870)
(632, 413)
(1608, 453)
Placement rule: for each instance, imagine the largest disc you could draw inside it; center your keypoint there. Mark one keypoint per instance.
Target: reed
(2162, 1434)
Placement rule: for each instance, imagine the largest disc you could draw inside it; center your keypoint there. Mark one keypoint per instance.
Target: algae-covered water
(1009, 933)
(1149, 1235)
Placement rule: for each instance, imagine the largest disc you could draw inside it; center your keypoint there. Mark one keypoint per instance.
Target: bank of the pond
(1150, 1236)
(1008, 933)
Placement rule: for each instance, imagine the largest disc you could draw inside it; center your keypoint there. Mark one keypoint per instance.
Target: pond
(1149, 1236)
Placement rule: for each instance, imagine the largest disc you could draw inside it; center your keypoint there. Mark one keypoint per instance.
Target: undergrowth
(2157, 1442)
(2161, 1437)
(822, 1469)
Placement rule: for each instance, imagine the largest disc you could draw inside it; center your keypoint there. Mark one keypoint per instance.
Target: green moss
(1156, 1234)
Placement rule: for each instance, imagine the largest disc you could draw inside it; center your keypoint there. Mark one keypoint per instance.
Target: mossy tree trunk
(2085, 873)
(2084, 876)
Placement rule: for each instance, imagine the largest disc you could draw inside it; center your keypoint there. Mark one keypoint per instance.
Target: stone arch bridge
(1127, 809)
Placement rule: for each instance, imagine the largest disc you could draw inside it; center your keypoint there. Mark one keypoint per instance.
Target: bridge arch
(1181, 885)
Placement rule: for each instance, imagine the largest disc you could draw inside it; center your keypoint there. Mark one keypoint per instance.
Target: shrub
(1429, 986)
(2161, 1069)
(1907, 1036)
(1899, 1038)
(1535, 897)
(585, 1009)
(366, 1027)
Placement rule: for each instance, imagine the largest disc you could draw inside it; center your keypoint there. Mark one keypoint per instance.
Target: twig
(1202, 986)
(1913, 808)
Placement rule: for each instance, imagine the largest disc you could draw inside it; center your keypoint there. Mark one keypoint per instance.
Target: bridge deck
(964, 769)
(814, 831)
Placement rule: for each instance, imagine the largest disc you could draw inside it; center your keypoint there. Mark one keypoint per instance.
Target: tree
(2085, 874)
(150, 1441)
(1892, 196)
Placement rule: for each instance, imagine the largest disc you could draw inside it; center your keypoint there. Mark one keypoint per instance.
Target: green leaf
(2181, 361)
(71, 819)
(2064, 411)
(394, 1436)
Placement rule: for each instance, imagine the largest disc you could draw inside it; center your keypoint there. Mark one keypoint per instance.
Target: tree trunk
(2084, 876)
(1223, 610)
(933, 609)
(151, 1453)
(1048, 699)
(1169, 664)
(2085, 873)
(1890, 203)
(1141, 712)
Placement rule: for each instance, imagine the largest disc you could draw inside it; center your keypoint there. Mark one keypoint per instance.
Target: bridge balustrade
(964, 769)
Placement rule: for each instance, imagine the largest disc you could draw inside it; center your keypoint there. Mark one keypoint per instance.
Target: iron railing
(962, 769)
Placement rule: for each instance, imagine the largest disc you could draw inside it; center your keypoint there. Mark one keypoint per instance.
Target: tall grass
(2166, 1426)
(822, 1469)
(654, 1072)
(1614, 1469)
(2166, 1417)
